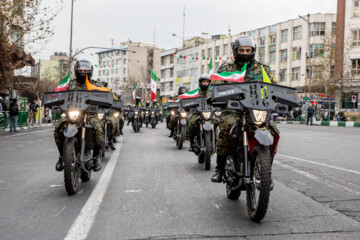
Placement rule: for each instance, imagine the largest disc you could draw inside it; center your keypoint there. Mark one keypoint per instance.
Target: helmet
(103, 81)
(204, 77)
(172, 96)
(182, 90)
(83, 68)
(243, 41)
(137, 99)
(154, 101)
(118, 94)
(147, 103)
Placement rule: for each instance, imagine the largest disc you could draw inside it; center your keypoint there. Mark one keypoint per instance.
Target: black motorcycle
(181, 126)
(118, 106)
(136, 118)
(253, 139)
(147, 113)
(153, 117)
(205, 140)
(78, 135)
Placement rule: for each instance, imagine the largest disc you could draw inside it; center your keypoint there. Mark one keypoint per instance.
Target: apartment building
(167, 73)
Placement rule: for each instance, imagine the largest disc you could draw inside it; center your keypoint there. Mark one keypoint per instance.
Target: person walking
(310, 114)
(33, 111)
(14, 114)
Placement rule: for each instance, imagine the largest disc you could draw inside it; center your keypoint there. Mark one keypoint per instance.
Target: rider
(204, 82)
(168, 112)
(172, 125)
(82, 68)
(244, 49)
(121, 117)
(156, 107)
(147, 104)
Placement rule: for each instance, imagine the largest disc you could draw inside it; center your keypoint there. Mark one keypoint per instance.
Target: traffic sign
(353, 99)
(315, 96)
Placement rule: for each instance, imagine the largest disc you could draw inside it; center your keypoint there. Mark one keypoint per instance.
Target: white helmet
(103, 80)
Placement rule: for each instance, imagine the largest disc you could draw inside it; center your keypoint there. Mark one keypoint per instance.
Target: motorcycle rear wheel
(258, 192)
(72, 170)
(207, 153)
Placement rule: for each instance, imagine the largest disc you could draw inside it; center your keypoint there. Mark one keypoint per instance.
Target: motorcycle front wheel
(207, 153)
(258, 191)
(72, 170)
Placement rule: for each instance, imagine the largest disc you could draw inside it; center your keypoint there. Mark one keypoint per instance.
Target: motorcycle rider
(147, 104)
(244, 49)
(137, 103)
(121, 117)
(156, 107)
(168, 112)
(204, 82)
(172, 123)
(82, 68)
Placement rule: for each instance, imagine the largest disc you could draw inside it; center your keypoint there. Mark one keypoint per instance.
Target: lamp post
(71, 30)
(310, 67)
(182, 39)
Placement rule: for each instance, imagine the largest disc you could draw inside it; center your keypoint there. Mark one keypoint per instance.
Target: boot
(121, 132)
(192, 143)
(219, 169)
(171, 133)
(96, 160)
(111, 144)
(59, 165)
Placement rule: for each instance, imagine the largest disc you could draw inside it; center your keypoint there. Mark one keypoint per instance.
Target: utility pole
(309, 52)
(183, 34)
(71, 30)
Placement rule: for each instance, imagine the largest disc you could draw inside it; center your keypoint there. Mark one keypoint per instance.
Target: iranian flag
(63, 84)
(191, 94)
(210, 67)
(170, 100)
(237, 76)
(153, 84)
(133, 92)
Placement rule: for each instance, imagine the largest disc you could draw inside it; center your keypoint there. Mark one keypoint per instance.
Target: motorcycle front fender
(264, 137)
(183, 122)
(70, 131)
(207, 127)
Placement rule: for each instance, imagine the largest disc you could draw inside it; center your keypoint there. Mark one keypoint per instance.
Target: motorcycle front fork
(246, 151)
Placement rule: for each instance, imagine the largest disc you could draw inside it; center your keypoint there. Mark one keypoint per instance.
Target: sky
(96, 22)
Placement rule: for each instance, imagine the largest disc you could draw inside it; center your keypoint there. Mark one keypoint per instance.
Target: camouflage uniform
(91, 118)
(228, 118)
(172, 124)
(191, 123)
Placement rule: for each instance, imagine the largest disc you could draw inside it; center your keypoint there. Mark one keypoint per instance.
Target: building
(167, 73)
(347, 72)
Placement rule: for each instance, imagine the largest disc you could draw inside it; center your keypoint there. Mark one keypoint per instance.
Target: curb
(324, 123)
(29, 127)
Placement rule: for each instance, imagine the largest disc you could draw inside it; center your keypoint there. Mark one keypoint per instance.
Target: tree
(24, 25)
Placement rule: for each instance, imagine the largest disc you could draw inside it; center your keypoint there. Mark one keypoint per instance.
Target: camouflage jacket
(75, 85)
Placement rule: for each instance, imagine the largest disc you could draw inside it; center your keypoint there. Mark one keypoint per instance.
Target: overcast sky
(96, 22)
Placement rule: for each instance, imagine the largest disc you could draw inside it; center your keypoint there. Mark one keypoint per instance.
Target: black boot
(192, 143)
(96, 159)
(171, 133)
(121, 132)
(219, 169)
(59, 165)
(111, 144)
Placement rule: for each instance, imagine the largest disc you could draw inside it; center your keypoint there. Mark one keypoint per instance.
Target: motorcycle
(118, 106)
(78, 135)
(147, 116)
(181, 125)
(153, 117)
(136, 119)
(205, 140)
(253, 139)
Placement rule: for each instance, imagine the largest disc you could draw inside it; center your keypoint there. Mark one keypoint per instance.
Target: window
(104, 72)
(282, 75)
(226, 49)
(315, 72)
(203, 53)
(355, 69)
(262, 32)
(117, 70)
(108, 62)
(124, 60)
(262, 57)
(124, 70)
(356, 12)
(124, 53)
(332, 71)
(124, 79)
(252, 34)
(273, 39)
(162, 60)
(171, 72)
(283, 55)
(202, 69)
(317, 29)
(284, 35)
(316, 50)
(272, 57)
(117, 61)
(112, 71)
(296, 55)
(113, 62)
(162, 74)
(297, 33)
(272, 29)
(262, 41)
(171, 86)
(356, 38)
(209, 52)
(107, 71)
(217, 51)
(99, 73)
(333, 29)
(295, 75)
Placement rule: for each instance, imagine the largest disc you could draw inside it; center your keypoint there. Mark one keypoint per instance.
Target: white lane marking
(85, 220)
(133, 191)
(318, 179)
(308, 138)
(25, 133)
(318, 163)
(59, 212)
(56, 185)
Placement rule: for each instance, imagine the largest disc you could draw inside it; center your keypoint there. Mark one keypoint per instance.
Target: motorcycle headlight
(142, 112)
(136, 113)
(172, 112)
(218, 113)
(152, 112)
(206, 115)
(73, 115)
(116, 114)
(183, 114)
(63, 115)
(260, 116)
(100, 115)
(147, 112)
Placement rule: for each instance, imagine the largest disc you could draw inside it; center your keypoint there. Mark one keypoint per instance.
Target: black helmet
(154, 101)
(137, 99)
(171, 96)
(182, 90)
(204, 77)
(147, 103)
(243, 41)
(81, 76)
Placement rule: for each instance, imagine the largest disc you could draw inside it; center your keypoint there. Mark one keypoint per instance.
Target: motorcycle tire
(180, 138)
(207, 153)
(258, 194)
(153, 125)
(72, 169)
(147, 124)
(85, 176)
(232, 194)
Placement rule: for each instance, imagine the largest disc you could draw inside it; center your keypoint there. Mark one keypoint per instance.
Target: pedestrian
(326, 114)
(33, 111)
(300, 114)
(310, 114)
(295, 115)
(14, 114)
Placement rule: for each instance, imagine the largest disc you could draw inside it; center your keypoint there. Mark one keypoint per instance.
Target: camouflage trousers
(121, 122)
(173, 122)
(115, 123)
(93, 120)
(192, 131)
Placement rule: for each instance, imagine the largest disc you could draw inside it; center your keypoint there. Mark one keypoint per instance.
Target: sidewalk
(324, 123)
(29, 128)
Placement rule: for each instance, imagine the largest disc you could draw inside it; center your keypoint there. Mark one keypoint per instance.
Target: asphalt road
(148, 189)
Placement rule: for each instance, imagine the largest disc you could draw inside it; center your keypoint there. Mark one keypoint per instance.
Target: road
(148, 189)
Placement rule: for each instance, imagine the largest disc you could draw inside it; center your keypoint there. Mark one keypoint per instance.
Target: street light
(310, 67)
(174, 35)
